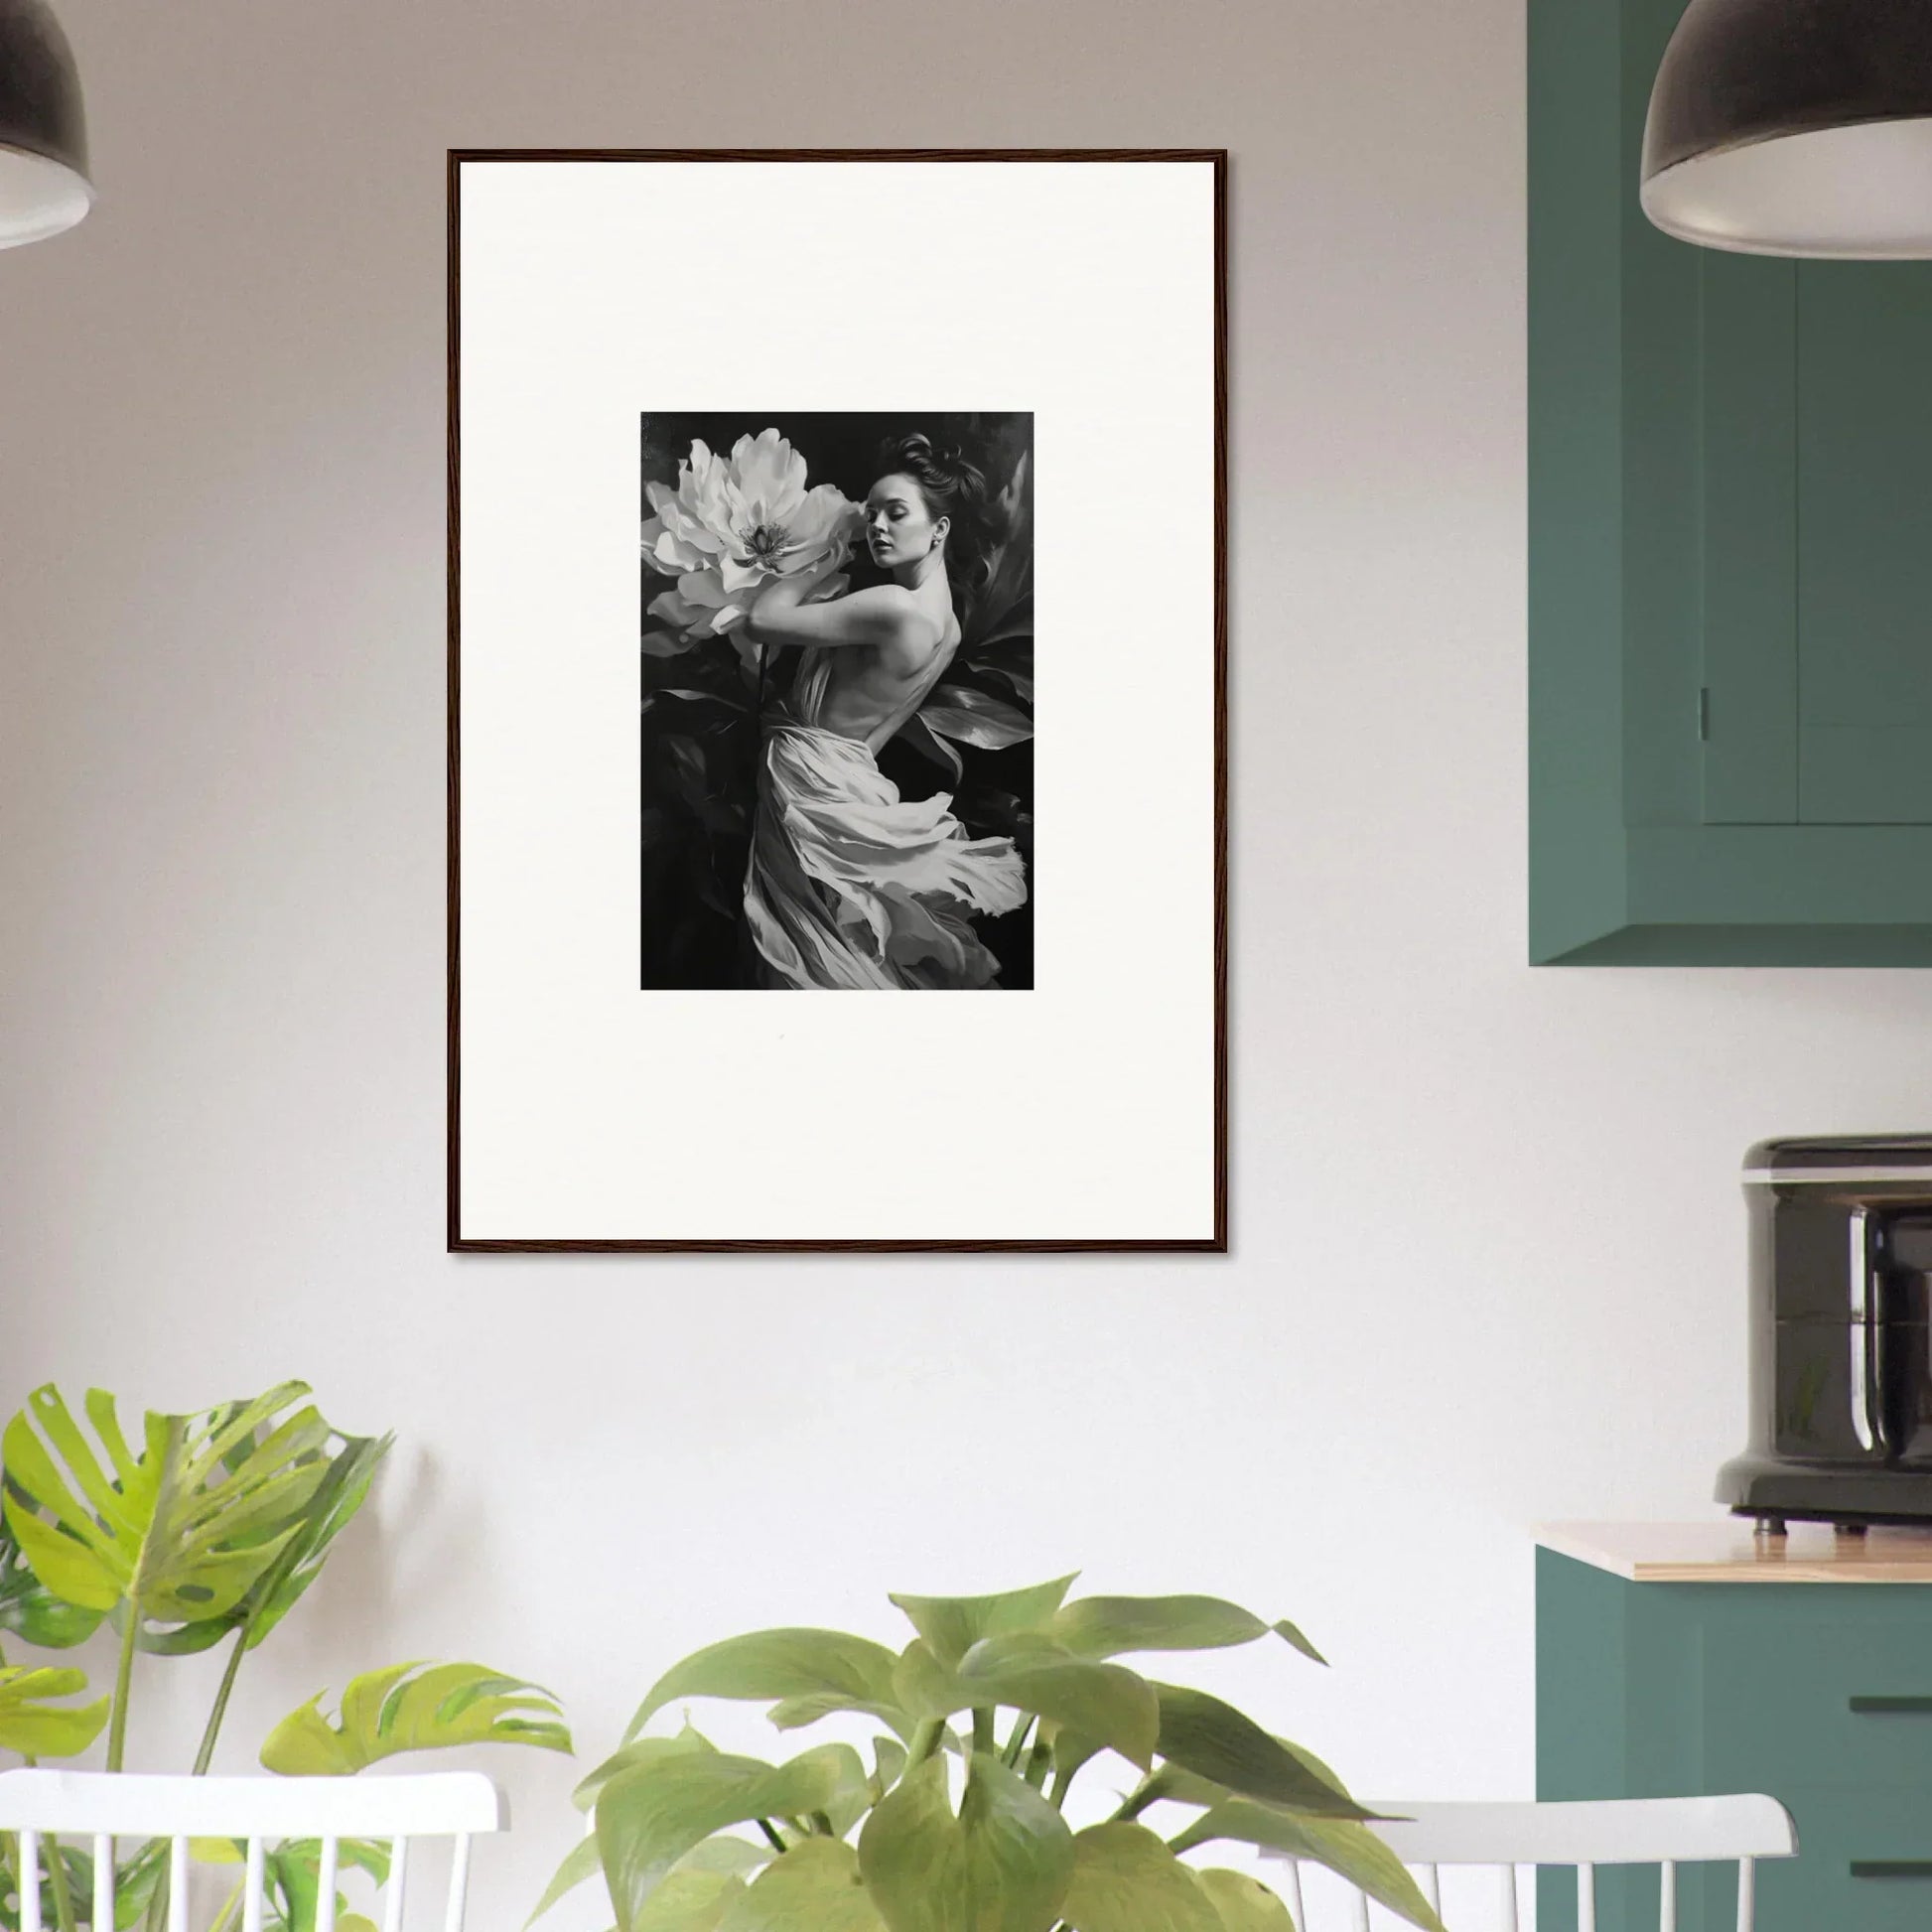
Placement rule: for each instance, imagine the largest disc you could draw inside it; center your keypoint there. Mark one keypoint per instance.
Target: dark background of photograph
(700, 744)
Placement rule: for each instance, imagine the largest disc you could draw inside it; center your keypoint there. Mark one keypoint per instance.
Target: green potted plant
(209, 1529)
(954, 1818)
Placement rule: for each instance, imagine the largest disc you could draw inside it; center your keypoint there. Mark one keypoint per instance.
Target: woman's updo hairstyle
(953, 486)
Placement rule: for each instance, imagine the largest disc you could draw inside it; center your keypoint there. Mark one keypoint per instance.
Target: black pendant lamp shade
(1795, 127)
(44, 186)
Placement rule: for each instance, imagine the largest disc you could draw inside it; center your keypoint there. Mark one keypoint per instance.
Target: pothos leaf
(1340, 1844)
(787, 1663)
(1125, 1879)
(1003, 1864)
(653, 1812)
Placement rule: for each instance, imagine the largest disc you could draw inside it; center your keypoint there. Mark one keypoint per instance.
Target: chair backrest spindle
(1295, 1909)
(1660, 1832)
(29, 1882)
(398, 1885)
(312, 1817)
(103, 1879)
(255, 1886)
(459, 1885)
(325, 1885)
(177, 1884)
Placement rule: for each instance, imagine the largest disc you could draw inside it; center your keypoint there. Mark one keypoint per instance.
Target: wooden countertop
(1725, 1550)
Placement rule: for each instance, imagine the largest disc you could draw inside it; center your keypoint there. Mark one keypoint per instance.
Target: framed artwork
(838, 579)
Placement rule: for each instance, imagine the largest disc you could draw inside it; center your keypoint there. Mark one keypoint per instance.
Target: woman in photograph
(850, 886)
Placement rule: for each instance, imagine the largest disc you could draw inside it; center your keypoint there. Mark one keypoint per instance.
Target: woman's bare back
(871, 690)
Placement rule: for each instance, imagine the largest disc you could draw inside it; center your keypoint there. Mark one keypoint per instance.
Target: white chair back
(1660, 1832)
(99, 1808)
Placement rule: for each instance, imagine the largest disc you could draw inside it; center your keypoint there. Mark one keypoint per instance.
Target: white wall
(1488, 1245)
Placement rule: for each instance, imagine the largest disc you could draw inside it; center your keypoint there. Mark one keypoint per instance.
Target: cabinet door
(1816, 439)
(1864, 543)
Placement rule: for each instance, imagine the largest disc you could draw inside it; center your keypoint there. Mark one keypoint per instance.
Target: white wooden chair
(99, 1807)
(1664, 1832)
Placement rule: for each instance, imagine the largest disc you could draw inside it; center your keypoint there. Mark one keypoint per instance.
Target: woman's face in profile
(899, 525)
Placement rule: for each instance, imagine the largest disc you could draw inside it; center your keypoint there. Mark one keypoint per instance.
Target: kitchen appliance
(1841, 1333)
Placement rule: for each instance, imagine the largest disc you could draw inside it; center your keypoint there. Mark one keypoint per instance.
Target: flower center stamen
(767, 541)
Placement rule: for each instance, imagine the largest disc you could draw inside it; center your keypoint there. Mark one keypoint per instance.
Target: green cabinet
(1819, 1694)
(1730, 562)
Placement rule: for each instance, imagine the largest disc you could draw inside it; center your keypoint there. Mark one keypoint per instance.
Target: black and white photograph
(755, 526)
(836, 719)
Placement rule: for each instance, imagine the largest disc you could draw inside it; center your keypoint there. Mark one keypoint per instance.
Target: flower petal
(665, 551)
(701, 587)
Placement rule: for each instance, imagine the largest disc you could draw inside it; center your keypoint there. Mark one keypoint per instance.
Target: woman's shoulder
(900, 616)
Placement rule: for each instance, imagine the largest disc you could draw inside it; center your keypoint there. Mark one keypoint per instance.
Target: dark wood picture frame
(1218, 1242)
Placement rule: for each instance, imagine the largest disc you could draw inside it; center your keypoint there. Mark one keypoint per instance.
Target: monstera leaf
(343, 1490)
(410, 1708)
(178, 1533)
(33, 1724)
(293, 1874)
(31, 1611)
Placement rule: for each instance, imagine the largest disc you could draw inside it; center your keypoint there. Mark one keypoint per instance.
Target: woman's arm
(883, 615)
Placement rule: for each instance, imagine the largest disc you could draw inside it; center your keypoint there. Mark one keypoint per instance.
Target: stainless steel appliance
(1840, 1333)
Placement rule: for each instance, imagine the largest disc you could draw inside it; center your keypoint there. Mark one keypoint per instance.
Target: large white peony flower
(734, 525)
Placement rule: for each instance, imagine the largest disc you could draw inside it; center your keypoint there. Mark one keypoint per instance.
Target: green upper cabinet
(1730, 562)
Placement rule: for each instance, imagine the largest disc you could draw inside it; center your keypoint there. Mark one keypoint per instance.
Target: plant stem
(1136, 1802)
(1011, 1755)
(982, 1728)
(206, 1755)
(228, 1910)
(123, 1684)
(1039, 1760)
(772, 1832)
(56, 1872)
(925, 1740)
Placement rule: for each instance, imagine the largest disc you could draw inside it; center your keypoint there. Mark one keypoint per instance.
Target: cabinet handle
(1891, 1867)
(1922, 1707)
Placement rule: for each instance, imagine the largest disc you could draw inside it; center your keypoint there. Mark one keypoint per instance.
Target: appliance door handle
(1866, 1363)
(1896, 1707)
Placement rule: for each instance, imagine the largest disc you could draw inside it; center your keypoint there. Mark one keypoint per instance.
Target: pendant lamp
(44, 185)
(1795, 127)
